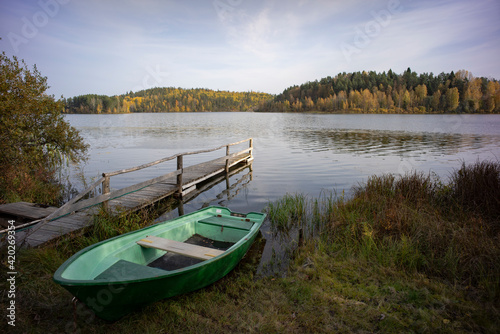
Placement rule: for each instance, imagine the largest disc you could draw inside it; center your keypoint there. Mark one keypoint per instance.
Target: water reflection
(386, 143)
(227, 186)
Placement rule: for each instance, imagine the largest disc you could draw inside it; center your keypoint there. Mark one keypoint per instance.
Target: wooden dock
(78, 213)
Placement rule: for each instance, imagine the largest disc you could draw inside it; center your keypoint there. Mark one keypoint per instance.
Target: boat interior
(162, 247)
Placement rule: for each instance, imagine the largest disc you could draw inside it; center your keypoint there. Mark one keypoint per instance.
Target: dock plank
(127, 201)
(27, 210)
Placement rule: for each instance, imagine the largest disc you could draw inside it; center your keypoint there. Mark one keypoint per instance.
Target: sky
(112, 47)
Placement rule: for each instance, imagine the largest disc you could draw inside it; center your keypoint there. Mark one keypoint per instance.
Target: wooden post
(180, 208)
(251, 146)
(227, 158)
(105, 190)
(179, 176)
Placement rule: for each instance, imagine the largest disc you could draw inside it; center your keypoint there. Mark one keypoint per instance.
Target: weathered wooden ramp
(78, 213)
(192, 176)
(27, 210)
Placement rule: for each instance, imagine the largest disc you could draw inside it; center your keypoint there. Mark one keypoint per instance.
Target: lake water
(294, 153)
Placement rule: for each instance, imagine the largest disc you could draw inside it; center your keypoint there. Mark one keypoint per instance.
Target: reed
(288, 211)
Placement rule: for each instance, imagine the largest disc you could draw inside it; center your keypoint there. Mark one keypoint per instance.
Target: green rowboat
(117, 275)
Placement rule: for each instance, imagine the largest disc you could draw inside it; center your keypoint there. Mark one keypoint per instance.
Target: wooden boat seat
(242, 224)
(177, 247)
(126, 270)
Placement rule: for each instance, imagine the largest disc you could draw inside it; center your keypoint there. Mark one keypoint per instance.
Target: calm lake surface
(294, 153)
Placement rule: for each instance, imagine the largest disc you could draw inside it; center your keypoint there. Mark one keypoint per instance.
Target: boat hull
(111, 297)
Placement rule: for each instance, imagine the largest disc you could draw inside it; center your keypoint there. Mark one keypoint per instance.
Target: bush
(35, 139)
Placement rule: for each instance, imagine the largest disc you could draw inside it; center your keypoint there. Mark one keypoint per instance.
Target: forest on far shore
(358, 92)
(165, 100)
(371, 92)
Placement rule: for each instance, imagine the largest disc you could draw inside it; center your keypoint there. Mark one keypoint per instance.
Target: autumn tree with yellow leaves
(387, 92)
(166, 100)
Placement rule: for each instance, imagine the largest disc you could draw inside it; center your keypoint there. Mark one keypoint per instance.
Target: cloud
(428, 37)
(110, 47)
(276, 30)
(251, 33)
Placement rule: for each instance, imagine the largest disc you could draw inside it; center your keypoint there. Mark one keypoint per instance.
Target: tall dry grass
(416, 223)
(476, 188)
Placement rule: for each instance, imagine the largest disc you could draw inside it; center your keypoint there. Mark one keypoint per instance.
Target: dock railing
(76, 204)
